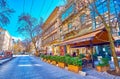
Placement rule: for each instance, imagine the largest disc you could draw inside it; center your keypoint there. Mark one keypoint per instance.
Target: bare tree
(5, 13)
(26, 43)
(92, 4)
(30, 28)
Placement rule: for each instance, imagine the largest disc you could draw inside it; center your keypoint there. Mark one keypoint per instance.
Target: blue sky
(40, 8)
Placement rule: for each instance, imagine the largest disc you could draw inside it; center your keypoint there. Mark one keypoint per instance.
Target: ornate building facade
(50, 33)
(79, 28)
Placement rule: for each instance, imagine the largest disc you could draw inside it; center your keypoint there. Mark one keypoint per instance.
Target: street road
(29, 67)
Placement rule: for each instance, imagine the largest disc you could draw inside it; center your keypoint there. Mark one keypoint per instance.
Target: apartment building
(39, 44)
(76, 27)
(82, 30)
(5, 40)
(50, 33)
(75, 21)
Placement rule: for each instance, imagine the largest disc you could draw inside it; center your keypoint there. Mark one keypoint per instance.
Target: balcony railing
(116, 33)
(68, 30)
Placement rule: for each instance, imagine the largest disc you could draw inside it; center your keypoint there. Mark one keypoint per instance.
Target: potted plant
(45, 58)
(48, 59)
(54, 60)
(68, 60)
(67, 55)
(42, 56)
(81, 56)
(61, 61)
(103, 65)
(75, 64)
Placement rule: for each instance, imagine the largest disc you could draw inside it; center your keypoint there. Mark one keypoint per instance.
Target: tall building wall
(5, 40)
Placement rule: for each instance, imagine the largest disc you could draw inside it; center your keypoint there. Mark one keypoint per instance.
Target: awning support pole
(91, 46)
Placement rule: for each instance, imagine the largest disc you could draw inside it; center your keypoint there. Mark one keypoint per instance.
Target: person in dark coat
(74, 54)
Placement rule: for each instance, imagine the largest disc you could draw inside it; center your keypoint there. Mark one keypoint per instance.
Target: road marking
(28, 65)
(37, 65)
(21, 65)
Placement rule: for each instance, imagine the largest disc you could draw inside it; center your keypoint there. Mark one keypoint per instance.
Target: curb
(6, 60)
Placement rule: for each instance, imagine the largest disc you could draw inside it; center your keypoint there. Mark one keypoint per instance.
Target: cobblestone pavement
(28, 67)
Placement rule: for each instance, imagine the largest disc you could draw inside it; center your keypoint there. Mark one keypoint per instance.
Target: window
(83, 19)
(93, 24)
(67, 12)
(1, 32)
(69, 26)
(102, 9)
(60, 29)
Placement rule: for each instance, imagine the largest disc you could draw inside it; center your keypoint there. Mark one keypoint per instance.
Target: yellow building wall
(53, 50)
(68, 49)
(56, 50)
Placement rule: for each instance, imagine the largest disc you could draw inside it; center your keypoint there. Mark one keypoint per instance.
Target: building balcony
(116, 34)
(69, 30)
(50, 34)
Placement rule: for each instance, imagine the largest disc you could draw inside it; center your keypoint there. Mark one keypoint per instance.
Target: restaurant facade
(81, 30)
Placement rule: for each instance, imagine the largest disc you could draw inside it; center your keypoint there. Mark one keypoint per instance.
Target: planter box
(102, 68)
(61, 65)
(44, 60)
(54, 62)
(48, 61)
(74, 68)
(99, 68)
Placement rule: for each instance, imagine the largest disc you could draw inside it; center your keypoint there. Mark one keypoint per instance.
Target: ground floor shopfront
(101, 50)
(93, 42)
(90, 42)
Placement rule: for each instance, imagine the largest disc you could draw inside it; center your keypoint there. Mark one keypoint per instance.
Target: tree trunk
(112, 46)
(36, 52)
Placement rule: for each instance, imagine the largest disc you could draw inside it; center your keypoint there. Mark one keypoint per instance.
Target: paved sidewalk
(2, 61)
